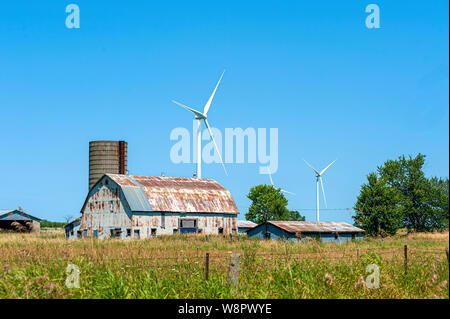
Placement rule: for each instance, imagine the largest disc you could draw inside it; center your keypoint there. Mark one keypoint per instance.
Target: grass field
(34, 266)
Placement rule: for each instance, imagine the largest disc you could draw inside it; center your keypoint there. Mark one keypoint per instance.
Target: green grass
(34, 266)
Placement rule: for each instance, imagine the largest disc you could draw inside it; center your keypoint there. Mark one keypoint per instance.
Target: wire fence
(220, 261)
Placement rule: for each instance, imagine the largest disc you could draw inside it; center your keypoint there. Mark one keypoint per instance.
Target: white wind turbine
(271, 181)
(199, 116)
(319, 177)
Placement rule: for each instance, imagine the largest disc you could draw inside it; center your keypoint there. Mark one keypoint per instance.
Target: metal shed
(245, 225)
(71, 229)
(302, 231)
(131, 206)
(17, 220)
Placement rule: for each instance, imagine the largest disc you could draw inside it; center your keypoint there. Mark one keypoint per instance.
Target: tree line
(399, 195)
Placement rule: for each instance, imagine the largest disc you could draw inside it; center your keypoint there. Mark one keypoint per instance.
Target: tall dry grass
(34, 265)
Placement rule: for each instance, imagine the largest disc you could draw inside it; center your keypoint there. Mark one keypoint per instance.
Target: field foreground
(45, 266)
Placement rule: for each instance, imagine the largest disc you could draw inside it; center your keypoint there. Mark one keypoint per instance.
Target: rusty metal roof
(78, 219)
(15, 214)
(180, 194)
(314, 227)
(245, 224)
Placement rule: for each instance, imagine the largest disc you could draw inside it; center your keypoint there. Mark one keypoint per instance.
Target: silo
(106, 157)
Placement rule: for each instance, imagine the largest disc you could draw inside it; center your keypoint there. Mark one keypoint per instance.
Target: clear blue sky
(333, 87)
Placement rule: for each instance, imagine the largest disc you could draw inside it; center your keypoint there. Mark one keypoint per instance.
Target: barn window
(115, 232)
(267, 235)
(353, 236)
(336, 236)
(153, 232)
(136, 233)
(220, 230)
(128, 232)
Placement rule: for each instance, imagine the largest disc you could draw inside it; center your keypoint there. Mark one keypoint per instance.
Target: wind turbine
(271, 181)
(319, 177)
(199, 116)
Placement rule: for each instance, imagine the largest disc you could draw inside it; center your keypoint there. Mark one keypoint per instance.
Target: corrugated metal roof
(177, 194)
(136, 199)
(314, 227)
(14, 214)
(245, 224)
(78, 219)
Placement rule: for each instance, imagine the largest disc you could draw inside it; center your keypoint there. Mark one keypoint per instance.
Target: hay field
(36, 266)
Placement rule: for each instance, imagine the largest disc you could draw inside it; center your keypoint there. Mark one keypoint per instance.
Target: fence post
(207, 266)
(357, 253)
(406, 258)
(233, 273)
(446, 251)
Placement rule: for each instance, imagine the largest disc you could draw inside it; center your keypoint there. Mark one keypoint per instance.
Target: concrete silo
(106, 157)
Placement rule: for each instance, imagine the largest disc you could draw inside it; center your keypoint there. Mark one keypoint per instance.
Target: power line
(313, 209)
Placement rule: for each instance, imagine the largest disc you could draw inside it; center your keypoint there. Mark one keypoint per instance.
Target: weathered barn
(17, 220)
(130, 206)
(245, 225)
(72, 229)
(297, 230)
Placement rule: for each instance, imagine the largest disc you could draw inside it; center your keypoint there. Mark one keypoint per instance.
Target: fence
(232, 262)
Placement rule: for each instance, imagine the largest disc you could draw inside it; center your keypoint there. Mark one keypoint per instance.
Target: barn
(17, 220)
(131, 206)
(303, 231)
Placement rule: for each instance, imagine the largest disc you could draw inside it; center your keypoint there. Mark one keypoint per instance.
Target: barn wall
(277, 234)
(36, 227)
(105, 209)
(207, 223)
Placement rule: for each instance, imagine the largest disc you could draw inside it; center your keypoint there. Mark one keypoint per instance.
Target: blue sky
(333, 88)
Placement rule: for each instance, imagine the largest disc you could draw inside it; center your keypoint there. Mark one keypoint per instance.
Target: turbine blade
(197, 113)
(287, 192)
(270, 176)
(208, 104)
(323, 192)
(323, 171)
(215, 145)
(315, 171)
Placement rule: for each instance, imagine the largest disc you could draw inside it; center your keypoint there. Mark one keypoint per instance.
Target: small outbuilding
(303, 231)
(71, 229)
(245, 225)
(19, 221)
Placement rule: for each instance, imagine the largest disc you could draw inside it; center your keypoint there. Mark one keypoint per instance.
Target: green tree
(421, 199)
(377, 207)
(437, 200)
(268, 203)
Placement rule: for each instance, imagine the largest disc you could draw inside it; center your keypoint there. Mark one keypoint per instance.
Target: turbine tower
(199, 116)
(319, 177)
